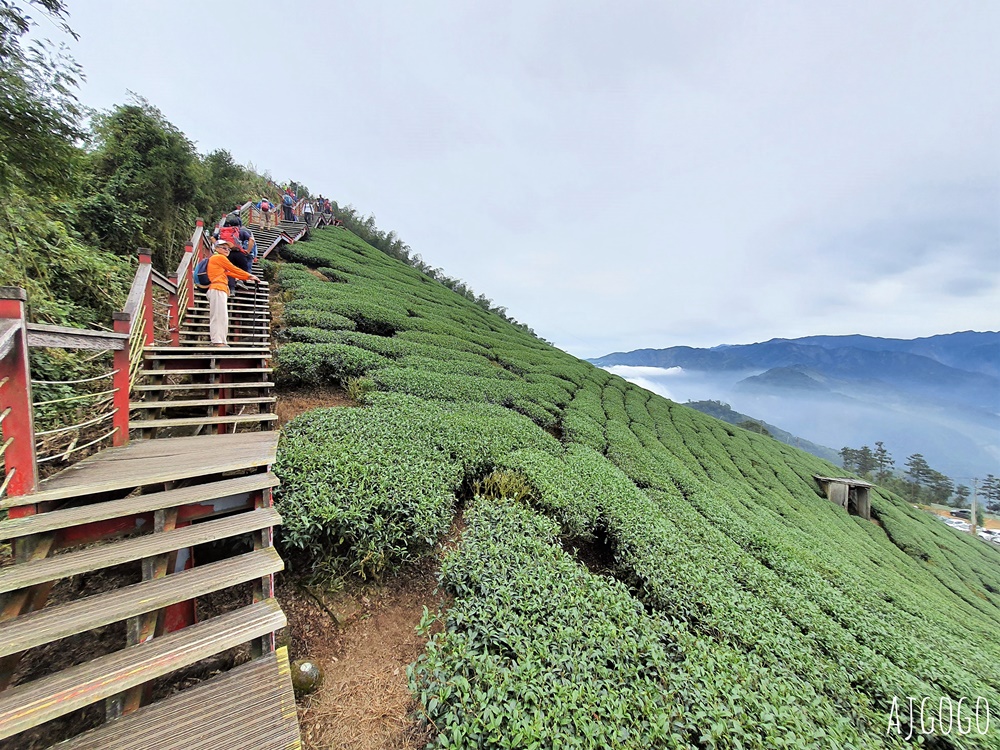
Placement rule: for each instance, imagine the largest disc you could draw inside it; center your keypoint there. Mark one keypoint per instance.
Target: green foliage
(68, 283)
(371, 486)
(764, 615)
(39, 113)
(537, 652)
(320, 364)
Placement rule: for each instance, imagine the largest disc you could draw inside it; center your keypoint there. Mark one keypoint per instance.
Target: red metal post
(15, 395)
(192, 262)
(174, 323)
(121, 382)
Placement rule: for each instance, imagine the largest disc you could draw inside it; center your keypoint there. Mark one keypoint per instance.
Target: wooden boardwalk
(136, 514)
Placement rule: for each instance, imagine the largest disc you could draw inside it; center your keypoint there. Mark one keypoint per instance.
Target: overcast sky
(618, 175)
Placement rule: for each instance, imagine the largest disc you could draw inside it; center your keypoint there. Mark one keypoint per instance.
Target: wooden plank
(47, 698)
(250, 707)
(148, 424)
(203, 386)
(8, 335)
(104, 556)
(163, 282)
(137, 291)
(233, 371)
(79, 616)
(204, 402)
(151, 462)
(206, 349)
(193, 324)
(199, 354)
(61, 337)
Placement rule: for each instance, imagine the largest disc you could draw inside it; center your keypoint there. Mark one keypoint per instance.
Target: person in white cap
(219, 271)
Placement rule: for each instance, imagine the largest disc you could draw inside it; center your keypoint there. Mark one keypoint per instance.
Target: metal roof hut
(849, 494)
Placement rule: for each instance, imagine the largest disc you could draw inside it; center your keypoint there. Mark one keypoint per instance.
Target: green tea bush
(781, 622)
(318, 364)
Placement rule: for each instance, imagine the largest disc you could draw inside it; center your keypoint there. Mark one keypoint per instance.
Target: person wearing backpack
(267, 217)
(219, 270)
(286, 206)
(233, 218)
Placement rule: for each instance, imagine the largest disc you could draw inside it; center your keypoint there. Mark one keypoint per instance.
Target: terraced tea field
(633, 573)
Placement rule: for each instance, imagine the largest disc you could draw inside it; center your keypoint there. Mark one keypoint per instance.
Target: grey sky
(619, 175)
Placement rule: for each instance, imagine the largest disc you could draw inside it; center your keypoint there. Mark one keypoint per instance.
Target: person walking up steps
(266, 213)
(220, 270)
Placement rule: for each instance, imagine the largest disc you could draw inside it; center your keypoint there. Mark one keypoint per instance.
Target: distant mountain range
(939, 396)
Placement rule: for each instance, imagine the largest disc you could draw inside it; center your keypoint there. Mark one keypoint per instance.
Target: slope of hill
(632, 573)
(726, 413)
(937, 396)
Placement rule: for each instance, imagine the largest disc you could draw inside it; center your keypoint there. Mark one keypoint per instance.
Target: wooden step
(116, 553)
(63, 620)
(41, 523)
(47, 698)
(203, 402)
(231, 351)
(202, 386)
(199, 324)
(150, 462)
(206, 352)
(239, 371)
(201, 302)
(234, 315)
(150, 424)
(250, 707)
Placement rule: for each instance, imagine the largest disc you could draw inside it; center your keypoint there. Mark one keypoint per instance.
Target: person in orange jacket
(219, 271)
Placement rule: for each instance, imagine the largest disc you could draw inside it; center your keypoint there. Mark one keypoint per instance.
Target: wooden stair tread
(233, 350)
(250, 707)
(198, 324)
(230, 371)
(41, 523)
(203, 402)
(200, 353)
(203, 386)
(63, 620)
(148, 462)
(148, 424)
(129, 550)
(41, 700)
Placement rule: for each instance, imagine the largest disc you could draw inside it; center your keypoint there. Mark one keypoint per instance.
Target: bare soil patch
(293, 402)
(363, 637)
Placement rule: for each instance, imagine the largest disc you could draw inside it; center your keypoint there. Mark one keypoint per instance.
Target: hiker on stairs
(220, 270)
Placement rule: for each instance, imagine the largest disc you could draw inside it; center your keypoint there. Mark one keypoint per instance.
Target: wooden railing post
(15, 396)
(146, 258)
(122, 380)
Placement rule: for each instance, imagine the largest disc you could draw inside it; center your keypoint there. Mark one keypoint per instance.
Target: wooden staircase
(169, 521)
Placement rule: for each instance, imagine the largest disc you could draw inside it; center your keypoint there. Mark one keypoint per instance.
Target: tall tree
(39, 111)
(145, 173)
(917, 469)
(883, 461)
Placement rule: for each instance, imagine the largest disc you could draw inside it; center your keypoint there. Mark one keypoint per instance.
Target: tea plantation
(632, 573)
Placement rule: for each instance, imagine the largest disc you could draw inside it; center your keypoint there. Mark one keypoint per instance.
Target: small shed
(849, 494)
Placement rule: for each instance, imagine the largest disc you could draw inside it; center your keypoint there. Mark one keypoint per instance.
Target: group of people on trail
(231, 263)
(235, 250)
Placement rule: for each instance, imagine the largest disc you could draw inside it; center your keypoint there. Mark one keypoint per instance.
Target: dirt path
(363, 637)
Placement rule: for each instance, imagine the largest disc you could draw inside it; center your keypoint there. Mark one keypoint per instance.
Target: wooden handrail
(74, 338)
(137, 292)
(163, 282)
(8, 336)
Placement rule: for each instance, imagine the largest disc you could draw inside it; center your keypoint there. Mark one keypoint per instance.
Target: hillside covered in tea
(630, 572)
